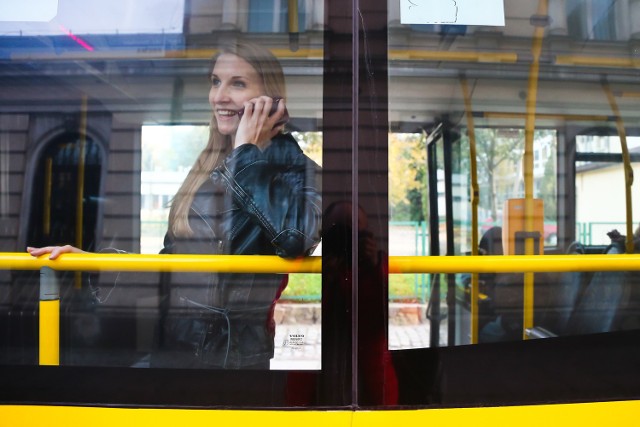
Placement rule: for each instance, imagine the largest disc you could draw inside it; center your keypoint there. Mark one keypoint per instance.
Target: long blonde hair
(219, 146)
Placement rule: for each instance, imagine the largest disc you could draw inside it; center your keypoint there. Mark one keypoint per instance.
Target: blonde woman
(251, 191)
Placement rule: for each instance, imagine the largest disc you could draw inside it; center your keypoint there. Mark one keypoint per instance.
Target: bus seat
(490, 330)
(603, 300)
(629, 314)
(558, 294)
(490, 244)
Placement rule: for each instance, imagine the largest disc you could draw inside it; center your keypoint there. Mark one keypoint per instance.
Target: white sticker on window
(452, 12)
(28, 10)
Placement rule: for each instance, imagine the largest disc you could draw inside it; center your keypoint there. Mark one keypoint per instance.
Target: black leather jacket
(257, 202)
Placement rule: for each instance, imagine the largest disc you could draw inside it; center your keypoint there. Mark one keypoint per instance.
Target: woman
(251, 191)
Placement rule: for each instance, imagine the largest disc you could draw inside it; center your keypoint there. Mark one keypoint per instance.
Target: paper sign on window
(28, 10)
(452, 12)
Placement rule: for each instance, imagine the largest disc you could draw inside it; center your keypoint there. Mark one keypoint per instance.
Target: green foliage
(403, 286)
(499, 153)
(308, 287)
(548, 185)
(311, 144)
(407, 172)
(304, 286)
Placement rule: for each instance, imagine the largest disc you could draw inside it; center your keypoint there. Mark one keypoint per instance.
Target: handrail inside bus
(528, 163)
(475, 201)
(628, 170)
(49, 321)
(313, 264)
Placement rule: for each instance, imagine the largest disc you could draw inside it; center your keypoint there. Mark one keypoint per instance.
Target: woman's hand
(54, 251)
(257, 126)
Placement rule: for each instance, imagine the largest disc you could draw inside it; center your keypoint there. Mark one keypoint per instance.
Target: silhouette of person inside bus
(490, 244)
(500, 313)
(378, 383)
(250, 191)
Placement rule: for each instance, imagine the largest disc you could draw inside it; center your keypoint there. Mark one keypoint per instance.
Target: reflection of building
(129, 80)
(600, 191)
(133, 79)
(158, 188)
(252, 16)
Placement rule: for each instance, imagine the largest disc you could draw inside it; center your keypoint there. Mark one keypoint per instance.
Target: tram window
(535, 82)
(440, 95)
(267, 16)
(499, 155)
(594, 19)
(599, 174)
(133, 95)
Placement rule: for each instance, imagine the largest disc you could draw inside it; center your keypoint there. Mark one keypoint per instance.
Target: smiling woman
(250, 191)
(243, 76)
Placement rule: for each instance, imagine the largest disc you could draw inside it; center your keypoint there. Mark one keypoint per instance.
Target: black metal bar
(434, 241)
(448, 200)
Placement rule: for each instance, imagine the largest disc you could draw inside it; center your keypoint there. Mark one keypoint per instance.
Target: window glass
(541, 130)
(271, 16)
(598, 167)
(594, 19)
(105, 109)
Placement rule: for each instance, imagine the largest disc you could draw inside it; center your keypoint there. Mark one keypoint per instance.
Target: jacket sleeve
(279, 189)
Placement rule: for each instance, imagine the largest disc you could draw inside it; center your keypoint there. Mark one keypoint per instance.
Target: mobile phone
(274, 107)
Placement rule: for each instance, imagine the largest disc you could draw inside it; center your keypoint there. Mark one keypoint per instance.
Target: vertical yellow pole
(475, 199)
(628, 170)
(293, 16)
(80, 183)
(46, 218)
(49, 328)
(532, 96)
(294, 25)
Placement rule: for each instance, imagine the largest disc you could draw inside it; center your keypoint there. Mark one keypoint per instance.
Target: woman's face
(233, 82)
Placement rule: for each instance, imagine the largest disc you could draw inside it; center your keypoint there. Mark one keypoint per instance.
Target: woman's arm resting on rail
(54, 251)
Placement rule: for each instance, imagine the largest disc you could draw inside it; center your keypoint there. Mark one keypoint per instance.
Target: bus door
(449, 218)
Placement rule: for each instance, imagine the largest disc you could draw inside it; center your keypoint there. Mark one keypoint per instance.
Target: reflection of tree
(311, 144)
(407, 176)
(499, 160)
(500, 175)
(498, 150)
(547, 189)
(172, 148)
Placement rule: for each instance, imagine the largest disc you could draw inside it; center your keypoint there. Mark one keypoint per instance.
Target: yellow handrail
(274, 264)
(156, 262)
(628, 170)
(513, 263)
(50, 305)
(475, 201)
(82, 153)
(293, 20)
(531, 101)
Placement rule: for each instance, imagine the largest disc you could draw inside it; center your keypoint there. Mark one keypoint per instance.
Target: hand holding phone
(274, 108)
